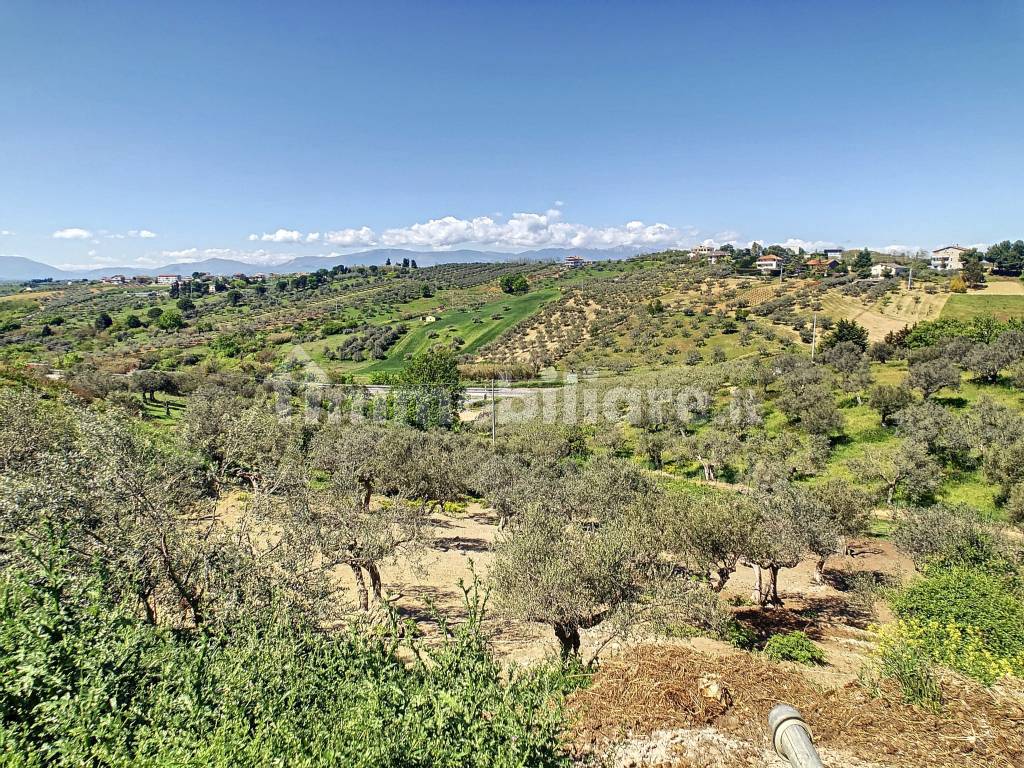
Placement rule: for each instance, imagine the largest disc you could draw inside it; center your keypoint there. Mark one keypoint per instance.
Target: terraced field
(881, 317)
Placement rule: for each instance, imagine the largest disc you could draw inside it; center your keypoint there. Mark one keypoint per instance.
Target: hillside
(677, 517)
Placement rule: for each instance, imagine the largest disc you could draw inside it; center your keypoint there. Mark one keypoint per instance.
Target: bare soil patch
(653, 689)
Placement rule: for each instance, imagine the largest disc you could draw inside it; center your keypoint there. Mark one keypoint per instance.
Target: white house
(701, 251)
(891, 269)
(574, 260)
(166, 279)
(769, 263)
(114, 280)
(948, 257)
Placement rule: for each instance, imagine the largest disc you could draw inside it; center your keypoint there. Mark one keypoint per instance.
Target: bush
(85, 682)
(967, 620)
(793, 646)
(901, 662)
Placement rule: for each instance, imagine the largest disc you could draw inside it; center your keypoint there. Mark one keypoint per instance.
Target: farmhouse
(947, 258)
(891, 269)
(573, 260)
(114, 280)
(167, 279)
(701, 251)
(768, 263)
(821, 264)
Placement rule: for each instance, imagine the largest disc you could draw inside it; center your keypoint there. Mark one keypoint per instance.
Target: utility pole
(814, 334)
(910, 278)
(493, 415)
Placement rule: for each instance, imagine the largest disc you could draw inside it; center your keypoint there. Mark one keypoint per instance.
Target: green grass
(450, 323)
(964, 306)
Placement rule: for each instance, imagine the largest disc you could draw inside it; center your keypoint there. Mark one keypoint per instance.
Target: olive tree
(906, 469)
(366, 495)
(930, 376)
(142, 508)
(713, 448)
(707, 534)
(842, 512)
(851, 366)
(940, 430)
(581, 553)
(805, 398)
(887, 399)
(785, 515)
(944, 535)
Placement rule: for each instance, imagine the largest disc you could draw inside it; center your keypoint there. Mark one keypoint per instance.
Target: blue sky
(262, 130)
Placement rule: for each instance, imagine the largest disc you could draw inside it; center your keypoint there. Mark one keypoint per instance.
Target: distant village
(778, 259)
(772, 260)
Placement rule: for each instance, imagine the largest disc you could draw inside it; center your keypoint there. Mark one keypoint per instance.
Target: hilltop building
(769, 262)
(822, 264)
(572, 260)
(948, 257)
(891, 269)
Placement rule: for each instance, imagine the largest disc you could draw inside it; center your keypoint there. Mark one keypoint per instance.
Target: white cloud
(522, 231)
(349, 238)
(280, 236)
(900, 250)
(72, 233)
(811, 246)
(145, 234)
(5, 232)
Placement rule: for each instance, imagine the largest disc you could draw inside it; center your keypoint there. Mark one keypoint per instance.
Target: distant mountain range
(17, 268)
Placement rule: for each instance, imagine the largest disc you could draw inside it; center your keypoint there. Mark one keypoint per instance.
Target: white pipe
(792, 737)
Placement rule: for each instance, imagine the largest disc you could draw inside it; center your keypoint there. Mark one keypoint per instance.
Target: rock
(711, 687)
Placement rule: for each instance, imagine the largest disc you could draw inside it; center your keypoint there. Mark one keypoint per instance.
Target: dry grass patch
(656, 688)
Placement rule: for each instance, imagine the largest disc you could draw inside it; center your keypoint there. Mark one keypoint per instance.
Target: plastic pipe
(792, 737)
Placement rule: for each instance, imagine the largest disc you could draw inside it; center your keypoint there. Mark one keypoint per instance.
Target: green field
(964, 306)
(449, 325)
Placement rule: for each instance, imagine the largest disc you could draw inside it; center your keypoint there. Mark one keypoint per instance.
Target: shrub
(85, 682)
(901, 662)
(793, 646)
(965, 609)
(740, 635)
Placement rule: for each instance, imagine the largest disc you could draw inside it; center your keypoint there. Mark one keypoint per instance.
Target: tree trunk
(774, 575)
(892, 490)
(757, 594)
(723, 573)
(568, 640)
(375, 583)
(819, 569)
(364, 596)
